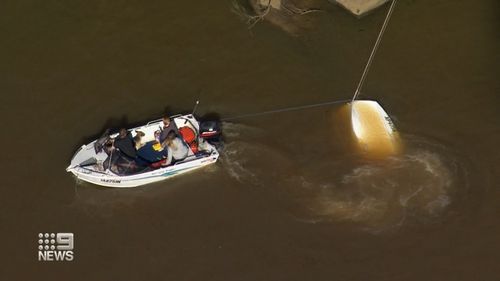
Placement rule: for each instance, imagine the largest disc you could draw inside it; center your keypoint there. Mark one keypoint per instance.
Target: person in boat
(176, 146)
(168, 126)
(157, 134)
(138, 139)
(125, 144)
(154, 154)
(108, 147)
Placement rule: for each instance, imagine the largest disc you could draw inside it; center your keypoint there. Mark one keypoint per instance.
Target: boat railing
(153, 121)
(160, 119)
(194, 157)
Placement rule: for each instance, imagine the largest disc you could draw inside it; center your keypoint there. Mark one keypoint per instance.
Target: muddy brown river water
(290, 198)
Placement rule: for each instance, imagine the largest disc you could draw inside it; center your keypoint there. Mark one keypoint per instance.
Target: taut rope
(292, 108)
(374, 50)
(358, 89)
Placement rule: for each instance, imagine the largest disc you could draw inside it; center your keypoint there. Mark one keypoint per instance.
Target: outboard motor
(210, 131)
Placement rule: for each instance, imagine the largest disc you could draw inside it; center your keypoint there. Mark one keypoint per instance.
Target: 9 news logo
(55, 246)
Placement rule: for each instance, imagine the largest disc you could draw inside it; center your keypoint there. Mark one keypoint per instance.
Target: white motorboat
(95, 164)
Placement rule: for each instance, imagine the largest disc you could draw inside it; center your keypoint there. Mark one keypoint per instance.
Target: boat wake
(384, 195)
(416, 187)
(248, 160)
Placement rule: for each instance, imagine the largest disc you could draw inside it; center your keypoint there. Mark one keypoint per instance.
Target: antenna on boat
(195, 106)
(372, 126)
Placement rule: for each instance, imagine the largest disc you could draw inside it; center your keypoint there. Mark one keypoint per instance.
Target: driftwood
(282, 13)
(253, 14)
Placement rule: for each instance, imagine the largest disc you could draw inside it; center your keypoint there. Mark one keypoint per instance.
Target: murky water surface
(291, 197)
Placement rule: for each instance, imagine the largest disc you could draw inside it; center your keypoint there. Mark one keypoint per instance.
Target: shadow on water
(114, 124)
(209, 116)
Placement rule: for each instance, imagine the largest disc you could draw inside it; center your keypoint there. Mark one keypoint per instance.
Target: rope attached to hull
(286, 109)
(358, 89)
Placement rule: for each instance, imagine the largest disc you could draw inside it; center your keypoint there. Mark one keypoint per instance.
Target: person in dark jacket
(168, 126)
(125, 144)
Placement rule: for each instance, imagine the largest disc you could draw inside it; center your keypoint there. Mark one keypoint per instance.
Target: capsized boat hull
(373, 128)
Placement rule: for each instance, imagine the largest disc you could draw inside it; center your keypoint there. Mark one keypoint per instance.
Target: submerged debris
(286, 14)
(289, 14)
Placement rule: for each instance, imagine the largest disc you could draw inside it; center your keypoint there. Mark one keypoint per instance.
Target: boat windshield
(122, 165)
